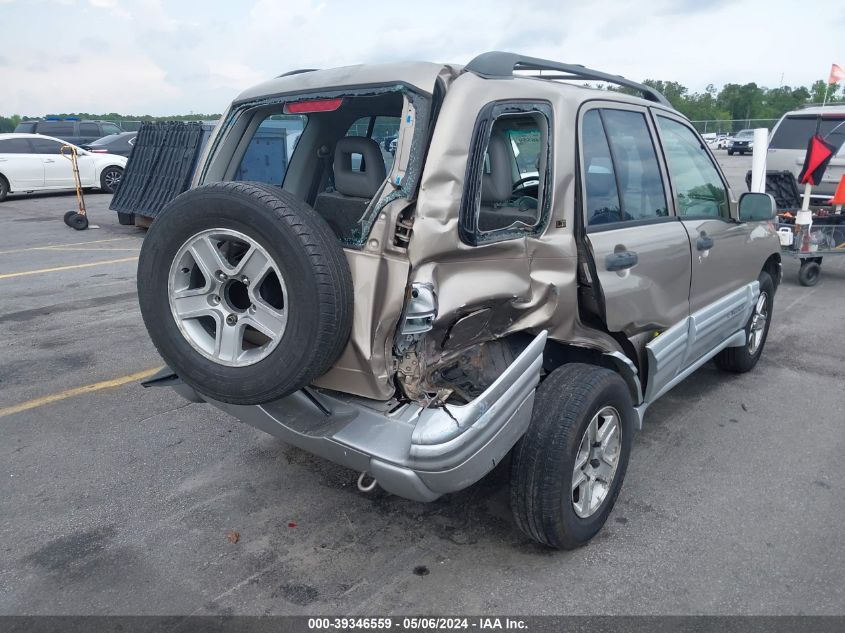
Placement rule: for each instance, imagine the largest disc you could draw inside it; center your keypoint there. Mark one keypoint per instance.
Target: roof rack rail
(501, 64)
(298, 71)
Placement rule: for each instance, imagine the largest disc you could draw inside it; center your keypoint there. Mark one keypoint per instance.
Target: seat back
(354, 188)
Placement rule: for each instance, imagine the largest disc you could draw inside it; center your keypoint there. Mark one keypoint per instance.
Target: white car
(32, 162)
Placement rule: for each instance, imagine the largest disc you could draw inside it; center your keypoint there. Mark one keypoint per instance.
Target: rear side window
(695, 179)
(622, 177)
(15, 146)
(89, 129)
(56, 128)
(794, 132)
(110, 128)
(269, 152)
(28, 127)
(507, 191)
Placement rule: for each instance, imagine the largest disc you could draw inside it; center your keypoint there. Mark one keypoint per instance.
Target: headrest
(359, 184)
(497, 179)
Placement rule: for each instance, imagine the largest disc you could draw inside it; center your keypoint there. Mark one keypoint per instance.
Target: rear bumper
(412, 452)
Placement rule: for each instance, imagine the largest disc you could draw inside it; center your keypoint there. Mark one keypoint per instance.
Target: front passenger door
(719, 251)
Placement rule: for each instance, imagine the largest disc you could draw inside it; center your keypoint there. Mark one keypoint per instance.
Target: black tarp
(160, 167)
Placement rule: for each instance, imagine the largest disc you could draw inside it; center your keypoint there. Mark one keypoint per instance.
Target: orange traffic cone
(839, 197)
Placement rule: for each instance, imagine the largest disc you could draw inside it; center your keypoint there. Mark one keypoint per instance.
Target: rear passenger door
(719, 254)
(58, 170)
(640, 252)
(20, 166)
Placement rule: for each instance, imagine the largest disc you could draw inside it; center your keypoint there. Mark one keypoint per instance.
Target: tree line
(737, 103)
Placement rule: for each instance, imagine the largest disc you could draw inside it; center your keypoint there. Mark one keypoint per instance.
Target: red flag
(837, 74)
(819, 153)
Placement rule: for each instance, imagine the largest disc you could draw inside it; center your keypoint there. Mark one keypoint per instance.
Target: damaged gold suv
(415, 269)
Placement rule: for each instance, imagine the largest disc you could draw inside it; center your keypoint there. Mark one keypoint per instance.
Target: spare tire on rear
(245, 291)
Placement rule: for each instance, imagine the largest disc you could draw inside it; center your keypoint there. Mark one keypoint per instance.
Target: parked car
(71, 131)
(120, 144)
(789, 138)
(419, 324)
(32, 162)
(740, 143)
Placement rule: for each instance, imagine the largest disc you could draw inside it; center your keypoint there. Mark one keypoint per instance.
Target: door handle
(621, 260)
(704, 242)
(49, 160)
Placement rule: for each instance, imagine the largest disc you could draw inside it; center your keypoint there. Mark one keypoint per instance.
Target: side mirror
(756, 207)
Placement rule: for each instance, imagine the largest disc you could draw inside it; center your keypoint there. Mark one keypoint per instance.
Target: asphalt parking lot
(117, 499)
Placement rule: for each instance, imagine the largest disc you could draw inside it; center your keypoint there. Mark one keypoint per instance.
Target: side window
(110, 128)
(59, 129)
(509, 197)
(45, 146)
(270, 149)
(695, 179)
(15, 146)
(384, 130)
(89, 129)
(601, 202)
(622, 178)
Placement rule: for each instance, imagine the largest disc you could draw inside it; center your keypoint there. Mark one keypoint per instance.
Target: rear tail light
(99, 151)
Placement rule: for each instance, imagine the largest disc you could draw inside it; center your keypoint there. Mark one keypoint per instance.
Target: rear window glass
(271, 148)
(111, 128)
(26, 128)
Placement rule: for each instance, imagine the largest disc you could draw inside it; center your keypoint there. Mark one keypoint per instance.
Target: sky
(158, 57)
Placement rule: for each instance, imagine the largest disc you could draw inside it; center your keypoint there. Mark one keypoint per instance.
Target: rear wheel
(730, 152)
(4, 188)
(569, 466)
(744, 358)
(110, 178)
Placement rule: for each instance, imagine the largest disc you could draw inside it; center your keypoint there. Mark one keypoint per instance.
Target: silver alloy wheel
(228, 297)
(758, 323)
(596, 462)
(112, 178)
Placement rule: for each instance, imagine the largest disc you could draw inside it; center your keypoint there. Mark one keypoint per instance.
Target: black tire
(544, 459)
(126, 219)
(730, 152)
(741, 359)
(4, 188)
(107, 184)
(809, 273)
(314, 269)
(68, 215)
(78, 222)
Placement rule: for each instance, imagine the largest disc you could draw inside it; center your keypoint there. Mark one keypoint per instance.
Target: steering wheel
(520, 184)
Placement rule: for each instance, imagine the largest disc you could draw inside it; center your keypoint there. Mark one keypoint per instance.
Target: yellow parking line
(72, 267)
(52, 246)
(63, 395)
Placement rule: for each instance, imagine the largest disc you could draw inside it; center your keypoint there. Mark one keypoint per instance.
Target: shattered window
(511, 194)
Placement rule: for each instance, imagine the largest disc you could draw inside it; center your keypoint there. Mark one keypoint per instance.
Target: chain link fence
(725, 126)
